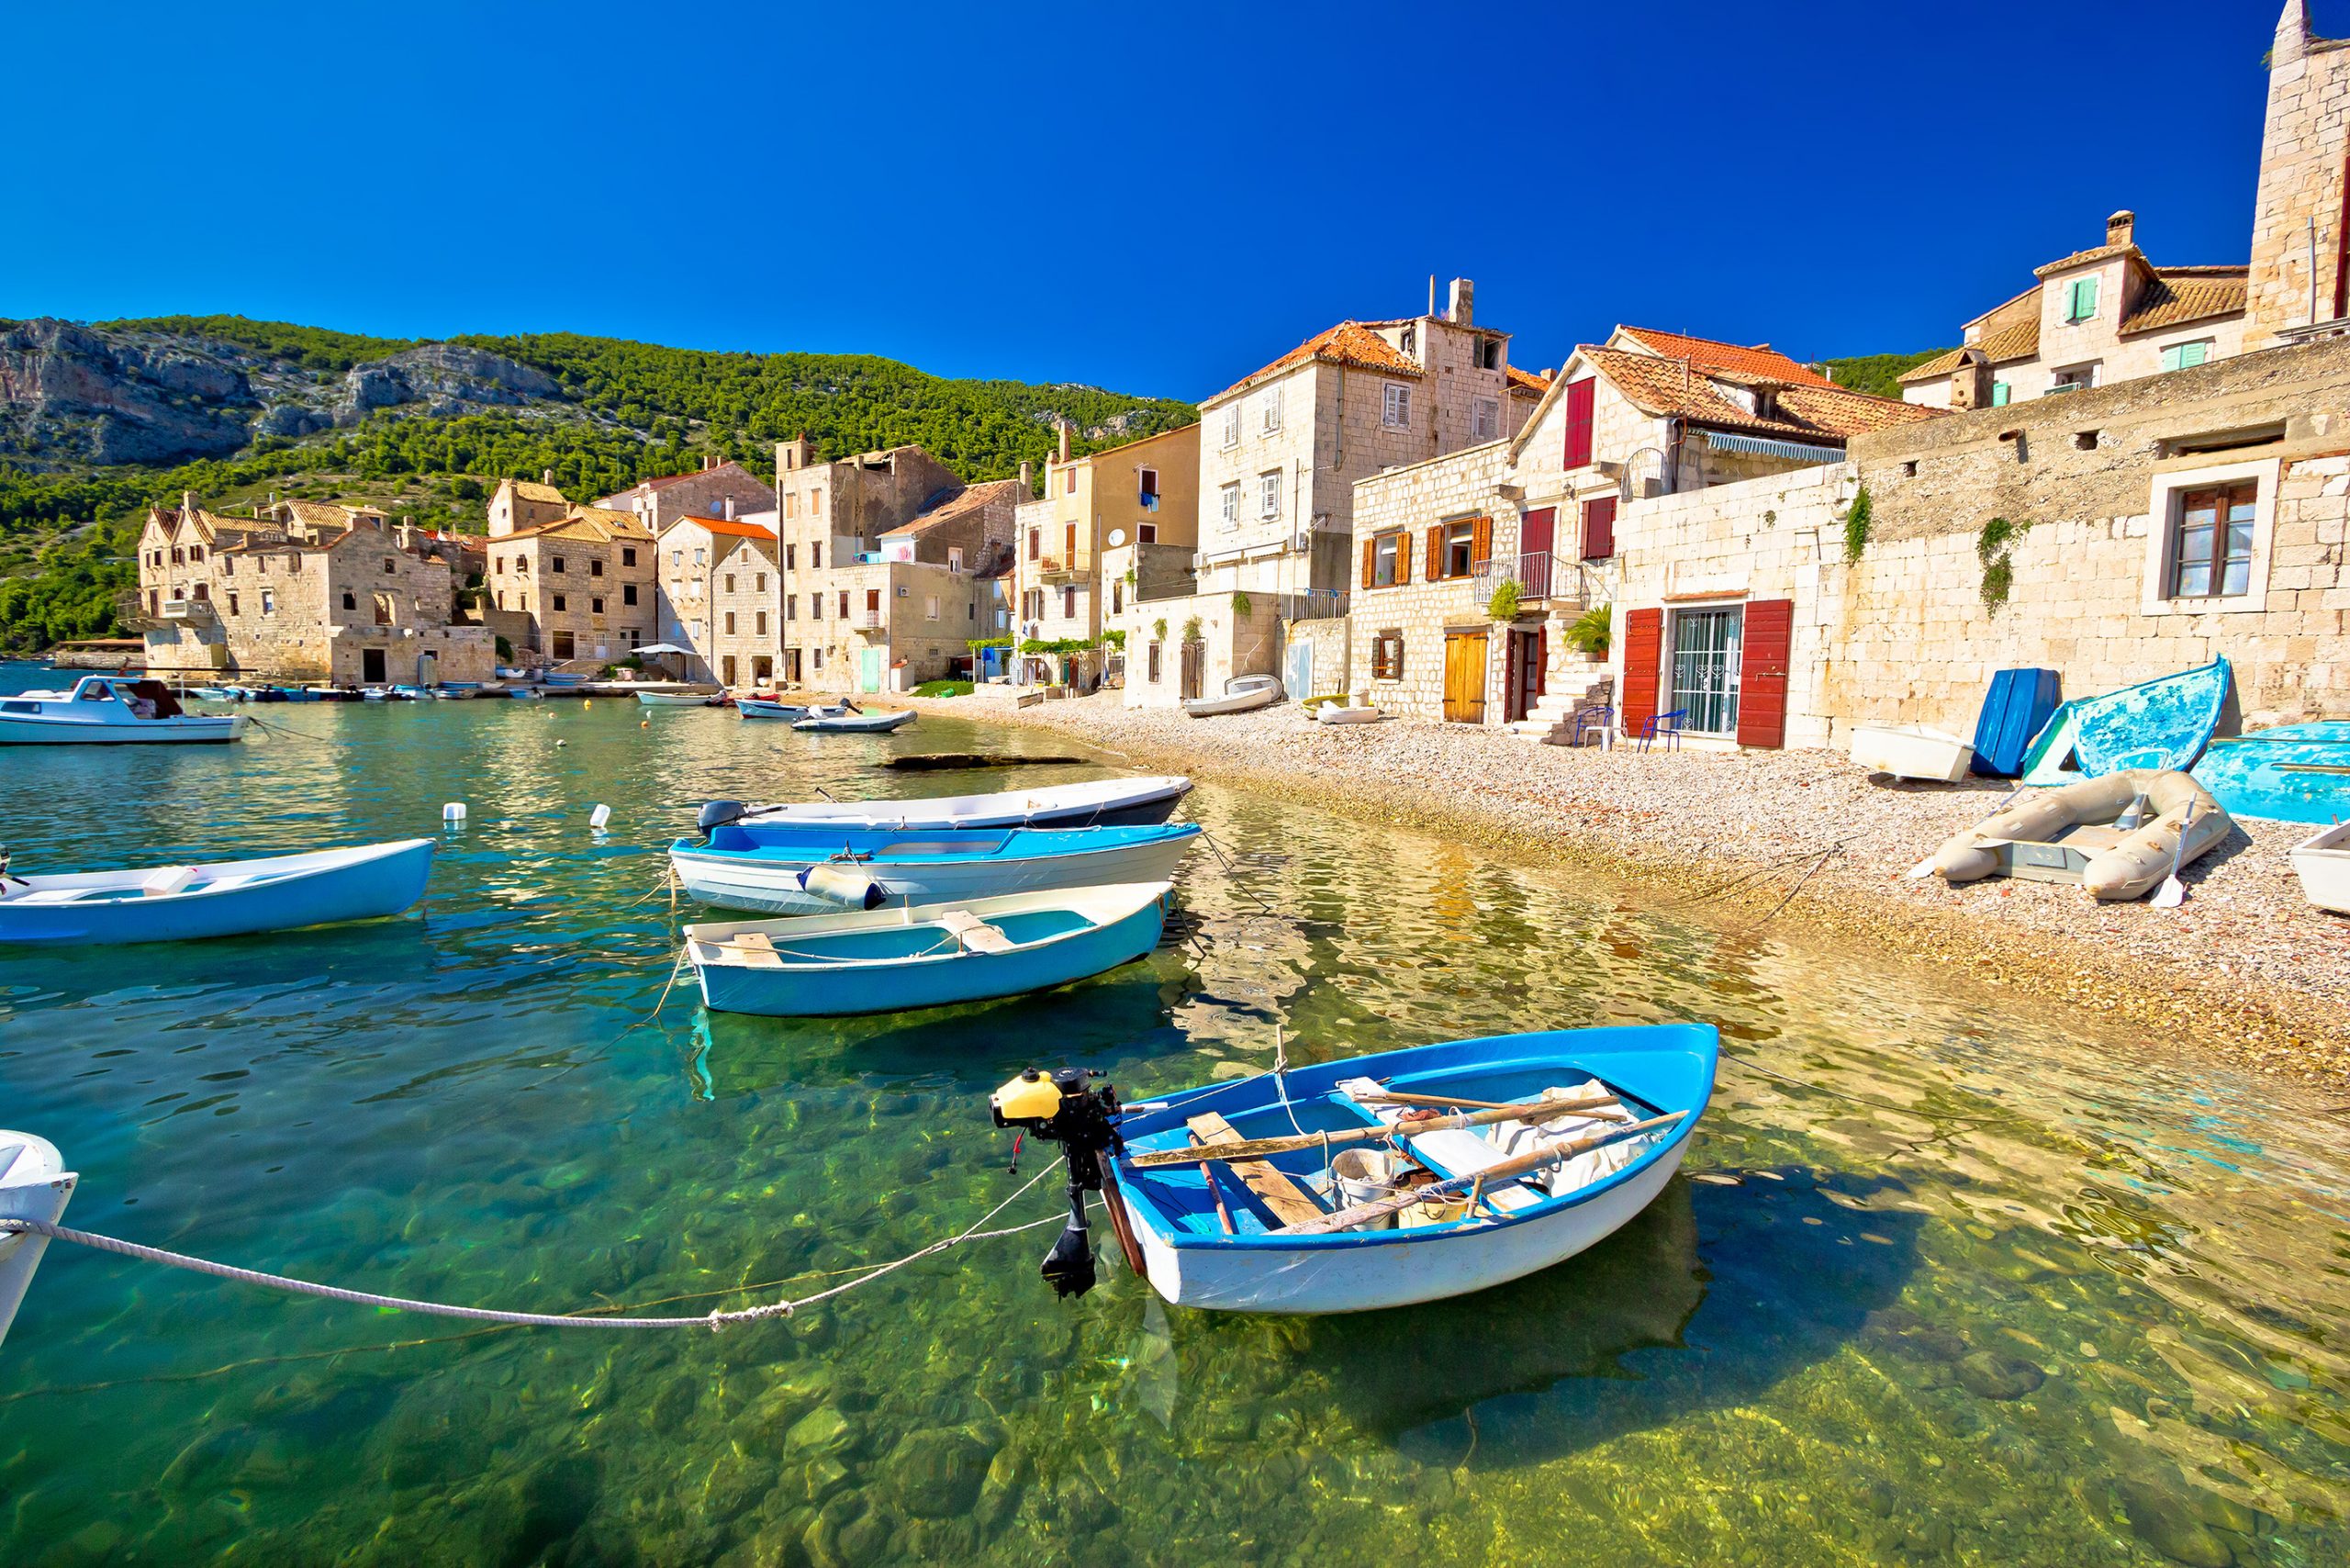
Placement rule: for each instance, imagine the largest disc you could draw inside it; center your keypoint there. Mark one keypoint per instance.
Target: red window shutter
(1480, 547)
(1599, 528)
(1435, 553)
(1762, 672)
(1643, 659)
(1402, 557)
(1579, 400)
(1370, 561)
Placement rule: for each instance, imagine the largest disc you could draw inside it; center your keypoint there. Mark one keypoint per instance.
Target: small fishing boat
(34, 1184)
(213, 693)
(2323, 863)
(2116, 835)
(1379, 1181)
(107, 711)
(856, 723)
(231, 898)
(674, 698)
(1241, 693)
(1911, 751)
(1097, 802)
(1341, 713)
(801, 868)
(2293, 773)
(526, 694)
(924, 956)
(2017, 708)
(773, 708)
(2163, 723)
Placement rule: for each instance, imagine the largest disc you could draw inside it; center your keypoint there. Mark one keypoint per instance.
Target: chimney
(1431, 294)
(2293, 36)
(1462, 308)
(546, 477)
(1064, 441)
(2117, 227)
(187, 500)
(1027, 479)
(729, 508)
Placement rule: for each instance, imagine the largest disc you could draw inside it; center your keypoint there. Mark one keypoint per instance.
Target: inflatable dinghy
(2098, 832)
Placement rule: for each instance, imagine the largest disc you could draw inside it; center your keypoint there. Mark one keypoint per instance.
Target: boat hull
(1332, 713)
(2163, 724)
(828, 992)
(1911, 751)
(195, 729)
(771, 885)
(2323, 863)
(2297, 773)
(856, 723)
(360, 887)
(1238, 703)
(1120, 803)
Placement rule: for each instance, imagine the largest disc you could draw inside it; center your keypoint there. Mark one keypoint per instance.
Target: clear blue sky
(1151, 199)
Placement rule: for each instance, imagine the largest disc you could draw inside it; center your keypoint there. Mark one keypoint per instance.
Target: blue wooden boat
(855, 722)
(2018, 708)
(1336, 1191)
(2292, 773)
(2163, 723)
(800, 869)
(232, 898)
(924, 956)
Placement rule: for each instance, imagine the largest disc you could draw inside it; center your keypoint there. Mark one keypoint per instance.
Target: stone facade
(718, 488)
(1094, 507)
(2303, 145)
(829, 513)
(692, 601)
(585, 585)
(518, 504)
(747, 623)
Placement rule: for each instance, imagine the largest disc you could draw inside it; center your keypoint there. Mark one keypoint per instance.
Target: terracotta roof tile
(1525, 384)
(732, 527)
(1940, 364)
(1673, 388)
(963, 503)
(2187, 294)
(2082, 258)
(1762, 359)
(1349, 343)
(2020, 340)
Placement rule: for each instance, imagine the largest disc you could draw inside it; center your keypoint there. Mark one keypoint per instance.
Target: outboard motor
(720, 813)
(1083, 1121)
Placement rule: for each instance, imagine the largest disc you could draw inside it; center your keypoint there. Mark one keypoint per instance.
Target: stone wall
(2302, 151)
(746, 636)
(1409, 501)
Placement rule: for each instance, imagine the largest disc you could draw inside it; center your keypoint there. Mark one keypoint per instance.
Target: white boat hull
(2322, 862)
(1912, 750)
(1238, 703)
(1103, 802)
(34, 1184)
(772, 886)
(1333, 714)
(1448, 1261)
(195, 729)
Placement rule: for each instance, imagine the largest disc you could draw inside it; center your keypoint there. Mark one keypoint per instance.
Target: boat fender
(849, 885)
(454, 812)
(168, 880)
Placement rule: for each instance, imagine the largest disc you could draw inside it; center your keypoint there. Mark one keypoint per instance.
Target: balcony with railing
(871, 620)
(1542, 578)
(1313, 604)
(1070, 568)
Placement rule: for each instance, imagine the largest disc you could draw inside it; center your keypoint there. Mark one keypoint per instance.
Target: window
(1150, 487)
(1484, 420)
(791, 557)
(1269, 493)
(1146, 534)
(1579, 407)
(628, 593)
(1068, 602)
(726, 669)
(596, 568)
(701, 556)
(815, 503)
(816, 555)
(1035, 543)
(558, 601)
(1272, 411)
(930, 606)
(2001, 394)
(203, 593)
(843, 604)
(791, 505)
(1599, 528)
(1457, 550)
(350, 601)
(498, 564)
(1390, 561)
(1706, 668)
(628, 555)
(522, 565)
(2186, 356)
(596, 605)
(268, 602)
(954, 557)
(1068, 481)
(2081, 303)
(227, 565)
(1118, 596)
(819, 660)
(196, 551)
(556, 564)
(232, 603)
(759, 582)
(1231, 426)
(2073, 378)
(1231, 504)
(868, 593)
(791, 609)
(729, 623)
(1489, 354)
(1387, 655)
(383, 609)
(2211, 545)
(758, 622)
(730, 582)
(1395, 407)
(1153, 665)
(815, 606)
(389, 564)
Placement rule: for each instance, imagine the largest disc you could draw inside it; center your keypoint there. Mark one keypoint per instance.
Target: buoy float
(454, 812)
(599, 817)
(563, 742)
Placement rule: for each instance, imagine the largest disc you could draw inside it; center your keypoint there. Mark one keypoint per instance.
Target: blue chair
(1665, 727)
(1592, 720)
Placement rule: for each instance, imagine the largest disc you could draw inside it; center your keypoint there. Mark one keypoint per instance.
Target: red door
(1643, 657)
(1762, 672)
(1534, 536)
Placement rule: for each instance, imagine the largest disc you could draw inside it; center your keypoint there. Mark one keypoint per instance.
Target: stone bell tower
(2300, 253)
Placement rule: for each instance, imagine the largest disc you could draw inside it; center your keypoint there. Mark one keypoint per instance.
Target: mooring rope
(713, 1321)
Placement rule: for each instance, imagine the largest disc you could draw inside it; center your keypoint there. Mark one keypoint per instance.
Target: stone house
(293, 597)
(2114, 533)
(1143, 495)
(834, 512)
(519, 504)
(706, 491)
(689, 552)
(1529, 525)
(582, 586)
(745, 620)
(906, 611)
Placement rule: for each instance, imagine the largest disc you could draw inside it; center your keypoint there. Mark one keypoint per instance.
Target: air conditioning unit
(1200, 562)
(1301, 542)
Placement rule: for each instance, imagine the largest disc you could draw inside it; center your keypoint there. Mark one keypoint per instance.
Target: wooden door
(1762, 672)
(1464, 678)
(371, 666)
(1529, 652)
(1195, 669)
(1643, 656)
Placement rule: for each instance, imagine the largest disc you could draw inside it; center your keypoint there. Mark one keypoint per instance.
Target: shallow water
(2009, 1294)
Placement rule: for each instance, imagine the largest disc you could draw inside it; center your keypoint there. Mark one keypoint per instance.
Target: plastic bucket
(1365, 1176)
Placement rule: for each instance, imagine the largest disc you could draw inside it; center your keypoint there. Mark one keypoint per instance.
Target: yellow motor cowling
(1027, 1100)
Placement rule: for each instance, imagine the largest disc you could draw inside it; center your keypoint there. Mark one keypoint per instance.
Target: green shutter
(1998, 394)
(2171, 359)
(2084, 298)
(2193, 354)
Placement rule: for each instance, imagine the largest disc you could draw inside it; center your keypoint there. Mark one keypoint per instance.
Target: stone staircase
(1580, 684)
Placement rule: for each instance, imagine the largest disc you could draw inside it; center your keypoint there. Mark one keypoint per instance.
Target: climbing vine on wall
(1856, 524)
(1995, 547)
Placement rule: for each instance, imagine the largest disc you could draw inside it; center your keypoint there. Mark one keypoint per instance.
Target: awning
(1756, 446)
(661, 648)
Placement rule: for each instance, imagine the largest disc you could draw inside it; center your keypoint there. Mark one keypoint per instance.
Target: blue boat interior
(134, 893)
(1181, 1201)
(886, 943)
(799, 842)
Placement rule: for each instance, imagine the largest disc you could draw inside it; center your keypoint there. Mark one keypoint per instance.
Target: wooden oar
(1548, 1154)
(1437, 1102)
(1258, 1148)
(2310, 768)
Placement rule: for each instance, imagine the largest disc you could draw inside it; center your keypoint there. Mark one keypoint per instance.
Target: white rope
(713, 1321)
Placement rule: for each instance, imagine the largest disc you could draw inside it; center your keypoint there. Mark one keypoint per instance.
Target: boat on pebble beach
(1241, 693)
(2294, 773)
(2116, 836)
(2161, 724)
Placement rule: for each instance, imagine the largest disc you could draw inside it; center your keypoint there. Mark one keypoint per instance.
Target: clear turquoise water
(2071, 1302)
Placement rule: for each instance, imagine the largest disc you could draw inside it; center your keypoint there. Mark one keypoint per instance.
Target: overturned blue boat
(2292, 773)
(2163, 723)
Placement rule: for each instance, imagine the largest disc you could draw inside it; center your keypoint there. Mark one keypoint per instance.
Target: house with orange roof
(1470, 568)
(699, 492)
(2097, 315)
(580, 586)
(717, 591)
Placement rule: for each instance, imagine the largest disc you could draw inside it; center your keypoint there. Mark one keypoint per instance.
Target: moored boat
(805, 868)
(1911, 751)
(2294, 773)
(34, 1185)
(674, 698)
(2161, 724)
(855, 722)
(1341, 713)
(1379, 1181)
(107, 711)
(923, 955)
(2117, 835)
(1095, 802)
(774, 708)
(2323, 863)
(1241, 693)
(230, 898)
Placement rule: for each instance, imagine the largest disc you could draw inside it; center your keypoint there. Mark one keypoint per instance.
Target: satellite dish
(1117, 537)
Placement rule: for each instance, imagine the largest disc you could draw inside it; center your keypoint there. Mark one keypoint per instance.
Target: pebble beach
(1811, 844)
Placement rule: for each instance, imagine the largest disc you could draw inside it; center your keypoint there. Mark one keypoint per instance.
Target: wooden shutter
(1482, 537)
(1370, 561)
(1599, 528)
(1643, 657)
(1403, 557)
(1436, 552)
(1762, 672)
(1579, 403)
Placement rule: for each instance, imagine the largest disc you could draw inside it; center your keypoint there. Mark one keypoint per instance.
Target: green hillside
(1878, 373)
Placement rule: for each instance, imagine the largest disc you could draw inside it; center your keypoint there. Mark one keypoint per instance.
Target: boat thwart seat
(975, 934)
(1291, 1203)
